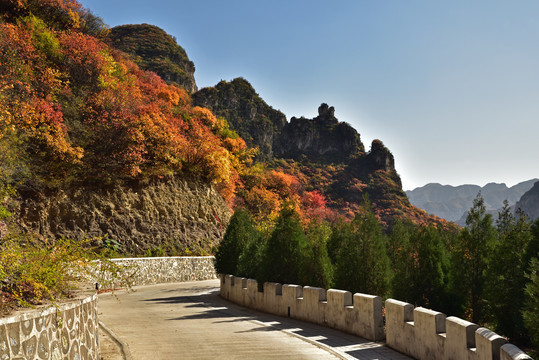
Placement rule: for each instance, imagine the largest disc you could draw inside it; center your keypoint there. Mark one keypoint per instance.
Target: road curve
(190, 321)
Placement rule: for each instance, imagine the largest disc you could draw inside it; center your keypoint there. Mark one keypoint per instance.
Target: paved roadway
(190, 321)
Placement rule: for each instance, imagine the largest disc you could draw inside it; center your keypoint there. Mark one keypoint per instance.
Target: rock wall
(421, 333)
(141, 216)
(159, 270)
(66, 332)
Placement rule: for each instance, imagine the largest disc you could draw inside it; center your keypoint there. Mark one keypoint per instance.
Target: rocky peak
(381, 157)
(529, 202)
(151, 48)
(246, 112)
(323, 138)
(326, 114)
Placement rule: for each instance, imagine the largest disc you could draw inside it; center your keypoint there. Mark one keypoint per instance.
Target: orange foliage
(81, 104)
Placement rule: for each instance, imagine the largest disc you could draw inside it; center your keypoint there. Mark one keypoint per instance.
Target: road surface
(190, 321)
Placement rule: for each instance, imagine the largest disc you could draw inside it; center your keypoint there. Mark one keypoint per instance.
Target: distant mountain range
(453, 202)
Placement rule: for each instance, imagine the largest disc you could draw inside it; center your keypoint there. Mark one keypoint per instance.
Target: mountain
(246, 112)
(321, 154)
(151, 48)
(97, 144)
(529, 202)
(98, 147)
(452, 202)
(323, 138)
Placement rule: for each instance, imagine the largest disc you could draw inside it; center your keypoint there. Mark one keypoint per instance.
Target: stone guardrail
(67, 331)
(417, 332)
(159, 270)
(155, 270)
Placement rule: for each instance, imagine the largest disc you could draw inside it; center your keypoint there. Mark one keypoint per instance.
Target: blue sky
(451, 88)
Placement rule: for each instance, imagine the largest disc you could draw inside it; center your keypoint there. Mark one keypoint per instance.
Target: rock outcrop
(529, 202)
(151, 48)
(186, 214)
(255, 121)
(323, 138)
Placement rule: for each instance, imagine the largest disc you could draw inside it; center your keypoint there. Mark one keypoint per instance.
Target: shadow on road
(342, 345)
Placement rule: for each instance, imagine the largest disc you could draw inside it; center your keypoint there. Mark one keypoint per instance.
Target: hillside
(452, 202)
(246, 112)
(81, 124)
(529, 202)
(86, 134)
(151, 48)
(322, 154)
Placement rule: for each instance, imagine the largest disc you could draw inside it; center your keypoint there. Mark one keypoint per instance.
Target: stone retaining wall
(158, 270)
(68, 331)
(418, 332)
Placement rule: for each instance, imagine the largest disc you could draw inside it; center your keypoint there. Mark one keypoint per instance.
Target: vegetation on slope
(76, 110)
(246, 112)
(151, 48)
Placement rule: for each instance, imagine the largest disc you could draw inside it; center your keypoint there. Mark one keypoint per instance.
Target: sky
(450, 87)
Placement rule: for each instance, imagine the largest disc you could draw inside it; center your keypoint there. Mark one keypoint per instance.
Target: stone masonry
(68, 331)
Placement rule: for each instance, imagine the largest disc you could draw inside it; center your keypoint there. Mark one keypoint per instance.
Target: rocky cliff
(323, 138)
(529, 202)
(255, 121)
(151, 48)
(180, 213)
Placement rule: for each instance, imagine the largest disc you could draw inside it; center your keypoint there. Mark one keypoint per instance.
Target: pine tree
(507, 274)
(421, 269)
(531, 307)
(239, 233)
(362, 262)
(470, 260)
(285, 251)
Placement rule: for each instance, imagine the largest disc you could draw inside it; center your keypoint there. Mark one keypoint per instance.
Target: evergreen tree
(318, 264)
(531, 306)
(239, 233)
(421, 269)
(362, 262)
(470, 260)
(284, 254)
(507, 274)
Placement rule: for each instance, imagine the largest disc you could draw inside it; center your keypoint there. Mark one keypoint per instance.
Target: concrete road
(190, 321)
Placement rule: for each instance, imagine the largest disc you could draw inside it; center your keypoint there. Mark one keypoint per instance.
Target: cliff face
(186, 214)
(322, 138)
(529, 202)
(255, 121)
(151, 48)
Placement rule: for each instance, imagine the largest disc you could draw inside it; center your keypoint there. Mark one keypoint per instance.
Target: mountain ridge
(452, 202)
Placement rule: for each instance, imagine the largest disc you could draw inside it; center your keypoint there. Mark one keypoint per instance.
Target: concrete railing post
(488, 344)
(427, 325)
(370, 317)
(311, 309)
(400, 333)
(460, 338)
(291, 294)
(273, 298)
(511, 352)
(336, 316)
